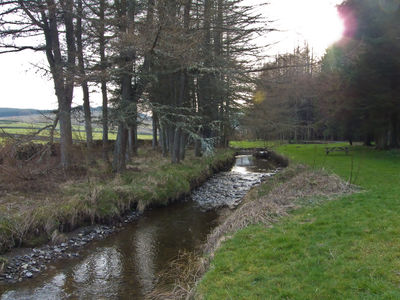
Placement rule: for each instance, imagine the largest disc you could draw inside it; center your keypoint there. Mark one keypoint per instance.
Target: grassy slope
(343, 249)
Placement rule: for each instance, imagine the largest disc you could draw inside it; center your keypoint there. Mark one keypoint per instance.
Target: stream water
(125, 265)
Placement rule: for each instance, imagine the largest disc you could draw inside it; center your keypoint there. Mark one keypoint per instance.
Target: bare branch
(14, 48)
(29, 14)
(270, 68)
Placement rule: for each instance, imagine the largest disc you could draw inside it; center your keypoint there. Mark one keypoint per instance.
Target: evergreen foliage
(352, 93)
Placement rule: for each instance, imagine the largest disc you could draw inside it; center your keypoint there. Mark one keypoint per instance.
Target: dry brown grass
(26, 167)
(279, 202)
(37, 197)
(178, 280)
(32, 185)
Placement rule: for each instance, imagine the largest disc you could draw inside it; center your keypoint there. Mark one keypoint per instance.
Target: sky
(23, 84)
(314, 21)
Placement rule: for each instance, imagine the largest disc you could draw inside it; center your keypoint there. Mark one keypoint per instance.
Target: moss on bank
(150, 180)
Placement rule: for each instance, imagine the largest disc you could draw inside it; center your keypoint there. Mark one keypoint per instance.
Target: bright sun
(321, 25)
(314, 21)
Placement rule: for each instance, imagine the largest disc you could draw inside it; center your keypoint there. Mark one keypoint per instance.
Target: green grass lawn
(250, 144)
(343, 249)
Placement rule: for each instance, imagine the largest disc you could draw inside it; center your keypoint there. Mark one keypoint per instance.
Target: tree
(374, 77)
(52, 23)
(131, 57)
(188, 57)
(285, 98)
(82, 74)
(99, 20)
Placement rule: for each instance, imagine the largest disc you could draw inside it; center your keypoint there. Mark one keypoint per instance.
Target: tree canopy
(184, 61)
(352, 93)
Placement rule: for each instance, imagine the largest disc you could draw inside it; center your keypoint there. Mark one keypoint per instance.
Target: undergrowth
(99, 196)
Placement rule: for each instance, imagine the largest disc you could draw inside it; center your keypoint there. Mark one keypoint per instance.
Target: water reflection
(244, 160)
(125, 265)
(241, 164)
(246, 164)
(144, 244)
(51, 290)
(97, 275)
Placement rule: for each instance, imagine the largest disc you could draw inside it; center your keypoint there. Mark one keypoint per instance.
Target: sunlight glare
(316, 22)
(321, 25)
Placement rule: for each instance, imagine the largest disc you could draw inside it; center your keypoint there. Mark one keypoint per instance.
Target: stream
(125, 264)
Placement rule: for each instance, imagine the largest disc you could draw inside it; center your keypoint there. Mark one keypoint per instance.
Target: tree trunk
(103, 81)
(368, 140)
(130, 141)
(197, 148)
(154, 123)
(83, 79)
(53, 128)
(382, 141)
(206, 100)
(133, 147)
(105, 119)
(119, 163)
(394, 131)
(182, 150)
(125, 75)
(171, 135)
(88, 116)
(175, 157)
(65, 136)
(63, 72)
(131, 94)
(164, 140)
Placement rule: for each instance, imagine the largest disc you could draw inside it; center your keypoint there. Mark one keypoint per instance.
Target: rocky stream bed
(145, 243)
(29, 262)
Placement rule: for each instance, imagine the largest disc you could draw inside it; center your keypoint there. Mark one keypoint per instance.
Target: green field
(78, 133)
(251, 144)
(343, 249)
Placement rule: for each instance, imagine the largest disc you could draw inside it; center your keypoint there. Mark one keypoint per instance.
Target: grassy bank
(342, 249)
(33, 217)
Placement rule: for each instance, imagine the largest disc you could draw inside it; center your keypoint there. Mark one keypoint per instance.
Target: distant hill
(13, 115)
(17, 112)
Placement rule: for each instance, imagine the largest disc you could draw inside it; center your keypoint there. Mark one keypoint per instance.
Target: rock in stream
(227, 188)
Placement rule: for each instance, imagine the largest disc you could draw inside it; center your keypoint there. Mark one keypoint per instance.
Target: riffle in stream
(125, 264)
